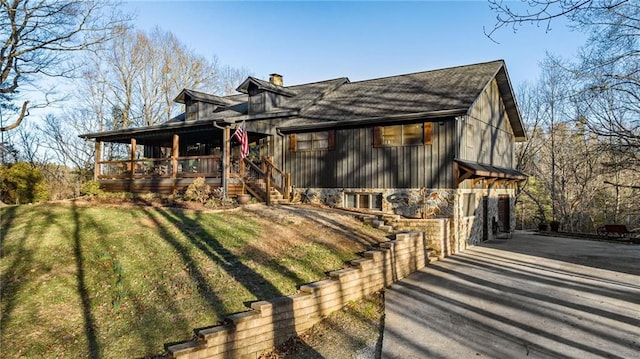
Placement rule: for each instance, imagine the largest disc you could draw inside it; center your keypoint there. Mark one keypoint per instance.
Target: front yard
(80, 279)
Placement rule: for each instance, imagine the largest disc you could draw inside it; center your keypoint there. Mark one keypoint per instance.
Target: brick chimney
(276, 79)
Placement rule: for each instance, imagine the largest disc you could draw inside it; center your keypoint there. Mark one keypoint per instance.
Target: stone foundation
(410, 203)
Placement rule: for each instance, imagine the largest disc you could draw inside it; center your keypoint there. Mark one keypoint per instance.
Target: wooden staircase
(267, 183)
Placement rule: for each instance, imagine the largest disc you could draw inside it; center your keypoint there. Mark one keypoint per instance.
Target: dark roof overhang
(480, 171)
(328, 123)
(511, 106)
(203, 97)
(120, 135)
(181, 126)
(265, 86)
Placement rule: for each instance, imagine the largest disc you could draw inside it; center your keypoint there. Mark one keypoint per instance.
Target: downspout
(282, 148)
(456, 217)
(225, 157)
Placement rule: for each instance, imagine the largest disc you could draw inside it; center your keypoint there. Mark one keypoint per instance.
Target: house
(429, 144)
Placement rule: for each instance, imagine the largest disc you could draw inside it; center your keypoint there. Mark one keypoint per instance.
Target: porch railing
(192, 166)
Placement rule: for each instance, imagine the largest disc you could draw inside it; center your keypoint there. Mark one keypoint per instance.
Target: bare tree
(607, 72)
(581, 12)
(38, 37)
(230, 78)
(139, 74)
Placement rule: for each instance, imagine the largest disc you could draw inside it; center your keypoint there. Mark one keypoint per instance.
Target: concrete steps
(394, 224)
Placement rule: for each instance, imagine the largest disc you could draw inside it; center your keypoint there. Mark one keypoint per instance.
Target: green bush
(22, 183)
(198, 191)
(91, 188)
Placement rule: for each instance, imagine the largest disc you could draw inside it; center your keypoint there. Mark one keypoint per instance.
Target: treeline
(126, 78)
(583, 119)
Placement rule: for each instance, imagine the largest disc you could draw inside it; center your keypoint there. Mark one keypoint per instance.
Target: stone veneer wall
(274, 321)
(469, 228)
(408, 202)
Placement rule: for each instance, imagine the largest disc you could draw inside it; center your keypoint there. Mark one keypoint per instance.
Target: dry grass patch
(93, 280)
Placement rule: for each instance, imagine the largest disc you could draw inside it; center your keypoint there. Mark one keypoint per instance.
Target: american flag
(242, 137)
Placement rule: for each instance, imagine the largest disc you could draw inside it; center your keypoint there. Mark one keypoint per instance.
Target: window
(309, 141)
(192, 111)
(402, 135)
(363, 200)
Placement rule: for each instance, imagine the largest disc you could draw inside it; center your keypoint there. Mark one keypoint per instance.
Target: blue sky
(312, 41)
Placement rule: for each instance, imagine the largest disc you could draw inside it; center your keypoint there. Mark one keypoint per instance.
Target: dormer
(199, 105)
(265, 96)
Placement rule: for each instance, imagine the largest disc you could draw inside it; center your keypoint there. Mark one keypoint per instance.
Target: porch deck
(161, 175)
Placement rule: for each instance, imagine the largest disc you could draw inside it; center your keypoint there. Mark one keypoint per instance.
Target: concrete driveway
(526, 297)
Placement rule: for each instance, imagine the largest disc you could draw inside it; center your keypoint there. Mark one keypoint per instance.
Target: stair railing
(251, 174)
(277, 178)
(273, 177)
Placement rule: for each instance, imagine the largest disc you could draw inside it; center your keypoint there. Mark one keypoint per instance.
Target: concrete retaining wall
(273, 322)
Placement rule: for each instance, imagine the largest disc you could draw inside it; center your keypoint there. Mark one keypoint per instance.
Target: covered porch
(166, 159)
(163, 161)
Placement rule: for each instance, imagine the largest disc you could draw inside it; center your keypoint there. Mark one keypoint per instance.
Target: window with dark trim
(412, 134)
(311, 141)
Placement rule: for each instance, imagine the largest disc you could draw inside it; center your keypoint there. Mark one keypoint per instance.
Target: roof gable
(262, 85)
(203, 97)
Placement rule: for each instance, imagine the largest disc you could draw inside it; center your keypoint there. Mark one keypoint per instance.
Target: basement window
(363, 200)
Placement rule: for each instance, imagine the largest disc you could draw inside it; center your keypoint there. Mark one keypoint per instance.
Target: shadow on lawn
(89, 321)
(11, 280)
(215, 251)
(24, 265)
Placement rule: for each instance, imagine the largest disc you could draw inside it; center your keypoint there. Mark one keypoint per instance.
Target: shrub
(198, 191)
(91, 188)
(22, 183)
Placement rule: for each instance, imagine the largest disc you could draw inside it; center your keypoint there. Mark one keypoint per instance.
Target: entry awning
(474, 170)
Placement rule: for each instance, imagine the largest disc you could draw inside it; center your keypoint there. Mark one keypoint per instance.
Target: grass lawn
(97, 281)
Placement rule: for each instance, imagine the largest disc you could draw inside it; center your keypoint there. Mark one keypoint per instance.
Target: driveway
(526, 297)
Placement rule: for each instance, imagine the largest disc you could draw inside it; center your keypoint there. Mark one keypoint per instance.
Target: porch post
(133, 157)
(175, 152)
(226, 159)
(96, 168)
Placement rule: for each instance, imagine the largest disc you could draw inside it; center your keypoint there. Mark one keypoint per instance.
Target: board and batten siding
(486, 135)
(356, 163)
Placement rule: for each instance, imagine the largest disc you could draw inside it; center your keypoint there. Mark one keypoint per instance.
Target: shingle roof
(436, 93)
(430, 91)
(306, 94)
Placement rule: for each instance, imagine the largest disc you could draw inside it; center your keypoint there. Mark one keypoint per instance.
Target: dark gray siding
(355, 163)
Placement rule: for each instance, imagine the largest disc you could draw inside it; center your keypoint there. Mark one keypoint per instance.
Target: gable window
(310, 141)
(402, 135)
(192, 111)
